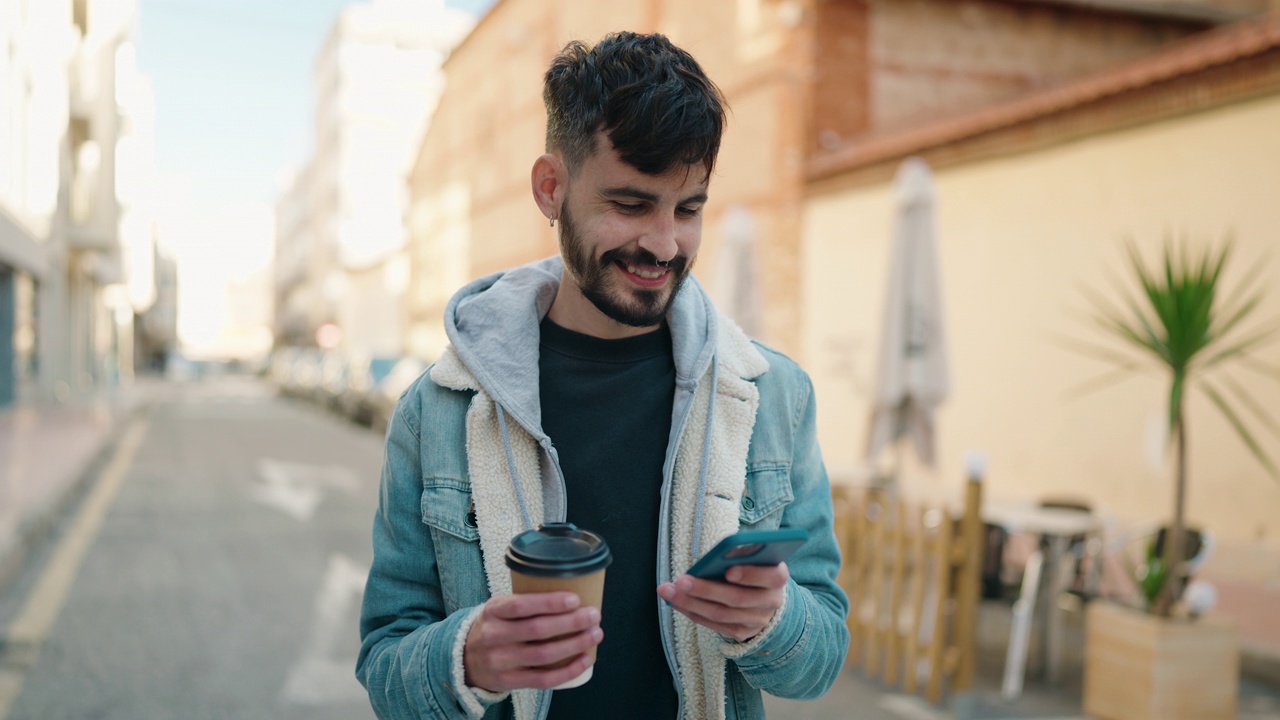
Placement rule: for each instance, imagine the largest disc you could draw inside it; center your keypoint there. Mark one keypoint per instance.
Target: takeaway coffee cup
(558, 557)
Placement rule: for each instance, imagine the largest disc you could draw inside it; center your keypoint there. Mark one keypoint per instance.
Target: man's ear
(550, 180)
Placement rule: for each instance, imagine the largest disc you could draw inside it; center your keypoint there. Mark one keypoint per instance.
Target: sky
(233, 87)
(233, 100)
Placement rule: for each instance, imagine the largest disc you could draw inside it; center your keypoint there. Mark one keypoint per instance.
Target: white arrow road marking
(318, 677)
(297, 489)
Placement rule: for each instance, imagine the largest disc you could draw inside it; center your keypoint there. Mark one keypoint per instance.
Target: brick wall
(924, 59)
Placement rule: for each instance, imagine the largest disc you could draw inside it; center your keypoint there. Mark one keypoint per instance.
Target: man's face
(629, 239)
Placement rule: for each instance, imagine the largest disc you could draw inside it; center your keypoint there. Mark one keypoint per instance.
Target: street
(225, 579)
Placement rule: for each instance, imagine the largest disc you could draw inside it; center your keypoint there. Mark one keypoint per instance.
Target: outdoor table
(1056, 526)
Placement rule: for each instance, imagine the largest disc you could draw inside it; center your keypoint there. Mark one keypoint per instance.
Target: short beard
(635, 307)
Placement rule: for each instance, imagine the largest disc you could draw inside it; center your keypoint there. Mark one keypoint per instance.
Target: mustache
(643, 257)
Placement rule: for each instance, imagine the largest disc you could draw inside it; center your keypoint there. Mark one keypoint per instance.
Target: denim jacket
(468, 466)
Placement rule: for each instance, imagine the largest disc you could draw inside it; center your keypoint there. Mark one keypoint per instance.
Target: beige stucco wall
(1019, 237)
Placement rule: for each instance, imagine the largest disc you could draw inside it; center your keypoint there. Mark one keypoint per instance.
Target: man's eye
(688, 211)
(628, 207)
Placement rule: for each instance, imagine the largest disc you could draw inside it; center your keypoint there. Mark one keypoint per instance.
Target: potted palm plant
(1183, 325)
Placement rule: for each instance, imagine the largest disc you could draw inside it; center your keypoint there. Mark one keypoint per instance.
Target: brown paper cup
(560, 557)
(590, 590)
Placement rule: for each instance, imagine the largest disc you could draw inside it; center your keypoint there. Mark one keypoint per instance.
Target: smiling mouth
(645, 273)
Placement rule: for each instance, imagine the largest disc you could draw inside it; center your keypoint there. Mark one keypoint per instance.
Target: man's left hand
(739, 608)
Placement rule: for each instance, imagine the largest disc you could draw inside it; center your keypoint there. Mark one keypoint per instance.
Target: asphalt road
(224, 580)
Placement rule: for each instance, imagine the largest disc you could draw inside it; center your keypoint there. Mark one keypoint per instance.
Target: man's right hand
(511, 642)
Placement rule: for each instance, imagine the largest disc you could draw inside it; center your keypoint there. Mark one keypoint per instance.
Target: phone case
(753, 547)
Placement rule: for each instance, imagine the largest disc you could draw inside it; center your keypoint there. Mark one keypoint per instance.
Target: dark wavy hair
(651, 99)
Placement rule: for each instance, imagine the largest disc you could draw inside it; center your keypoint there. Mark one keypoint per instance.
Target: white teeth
(646, 274)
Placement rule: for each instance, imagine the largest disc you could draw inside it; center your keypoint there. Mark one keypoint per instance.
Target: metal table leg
(1054, 630)
(1015, 664)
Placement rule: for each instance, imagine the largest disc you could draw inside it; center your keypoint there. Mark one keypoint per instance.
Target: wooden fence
(912, 574)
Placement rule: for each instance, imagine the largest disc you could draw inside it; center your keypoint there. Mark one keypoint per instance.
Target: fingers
(751, 612)
(526, 650)
(762, 587)
(546, 679)
(515, 607)
(539, 627)
(734, 622)
(761, 576)
(533, 665)
(736, 631)
(724, 594)
(535, 656)
(737, 623)
(739, 608)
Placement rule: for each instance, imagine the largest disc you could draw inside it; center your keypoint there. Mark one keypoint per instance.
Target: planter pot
(1140, 667)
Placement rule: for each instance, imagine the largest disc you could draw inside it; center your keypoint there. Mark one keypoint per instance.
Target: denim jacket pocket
(768, 490)
(447, 506)
(448, 511)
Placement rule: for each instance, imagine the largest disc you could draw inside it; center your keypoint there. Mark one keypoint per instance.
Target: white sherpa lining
(498, 516)
(700, 652)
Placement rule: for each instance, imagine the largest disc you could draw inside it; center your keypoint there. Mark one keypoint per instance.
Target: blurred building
(341, 232)
(1056, 127)
(156, 328)
(73, 152)
(300, 264)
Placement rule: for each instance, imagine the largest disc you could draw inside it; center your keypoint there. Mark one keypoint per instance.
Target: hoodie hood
(493, 326)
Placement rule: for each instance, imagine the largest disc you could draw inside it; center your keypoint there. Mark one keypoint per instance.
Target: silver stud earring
(553, 221)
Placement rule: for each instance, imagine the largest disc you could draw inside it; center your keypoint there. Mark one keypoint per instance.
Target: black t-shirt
(606, 404)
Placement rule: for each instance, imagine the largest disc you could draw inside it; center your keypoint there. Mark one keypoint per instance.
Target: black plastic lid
(558, 550)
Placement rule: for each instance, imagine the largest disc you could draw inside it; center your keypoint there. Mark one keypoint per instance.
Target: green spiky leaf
(1184, 318)
(1241, 429)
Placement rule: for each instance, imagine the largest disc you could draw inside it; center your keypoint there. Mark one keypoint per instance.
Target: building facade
(73, 120)
(826, 98)
(298, 263)
(800, 77)
(156, 328)
(1036, 198)
(342, 222)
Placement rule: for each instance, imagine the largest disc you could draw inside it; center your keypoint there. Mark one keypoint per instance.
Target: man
(602, 388)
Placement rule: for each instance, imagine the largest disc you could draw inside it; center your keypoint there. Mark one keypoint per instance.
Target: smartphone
(753, 547)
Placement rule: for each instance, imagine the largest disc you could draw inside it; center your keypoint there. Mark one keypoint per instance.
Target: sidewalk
(46, 450)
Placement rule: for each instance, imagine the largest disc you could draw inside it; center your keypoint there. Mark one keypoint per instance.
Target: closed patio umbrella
(912, 378)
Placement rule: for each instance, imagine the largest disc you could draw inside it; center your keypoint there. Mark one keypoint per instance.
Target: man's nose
(660, 239)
